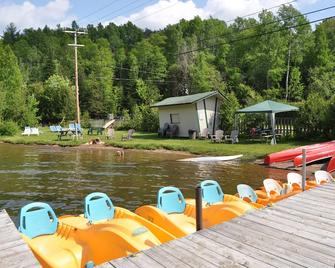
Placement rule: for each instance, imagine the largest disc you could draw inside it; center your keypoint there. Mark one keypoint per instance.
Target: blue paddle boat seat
(37, 219)
(98, 206)
(171, 200)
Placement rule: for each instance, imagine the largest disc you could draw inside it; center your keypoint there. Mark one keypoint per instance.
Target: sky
(151, 14)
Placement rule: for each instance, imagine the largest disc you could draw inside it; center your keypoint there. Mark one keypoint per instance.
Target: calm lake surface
(64, 176)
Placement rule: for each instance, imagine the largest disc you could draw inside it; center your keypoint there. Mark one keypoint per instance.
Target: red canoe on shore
(331, 165)
(290, 154)
(316, 155)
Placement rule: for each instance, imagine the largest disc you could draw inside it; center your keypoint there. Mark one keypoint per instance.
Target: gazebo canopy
(268, 107)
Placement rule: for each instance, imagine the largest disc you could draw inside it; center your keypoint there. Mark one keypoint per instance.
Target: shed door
(201, 116)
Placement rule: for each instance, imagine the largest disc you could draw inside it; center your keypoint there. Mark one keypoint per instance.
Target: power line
(255, 13)
(128, 69)
(157, 11)
(271, 22)
(97, 11)
(121, 8)
(253, 36)
(146, 80)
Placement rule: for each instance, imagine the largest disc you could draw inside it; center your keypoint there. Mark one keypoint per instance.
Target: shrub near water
(8, 128)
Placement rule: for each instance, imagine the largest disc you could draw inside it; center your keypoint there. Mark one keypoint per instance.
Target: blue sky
(153, 14)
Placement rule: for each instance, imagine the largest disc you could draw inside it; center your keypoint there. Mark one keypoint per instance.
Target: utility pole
(76, 45)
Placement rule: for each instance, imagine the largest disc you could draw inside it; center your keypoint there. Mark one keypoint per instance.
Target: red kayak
(331, 165)
(316, 155)
(290, 154)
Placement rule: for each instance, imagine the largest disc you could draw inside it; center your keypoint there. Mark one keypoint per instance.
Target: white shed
(192, 112)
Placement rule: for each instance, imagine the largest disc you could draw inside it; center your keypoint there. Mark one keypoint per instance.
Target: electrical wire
(253, 36)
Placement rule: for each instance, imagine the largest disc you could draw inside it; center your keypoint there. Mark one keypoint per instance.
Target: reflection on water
(64, 176)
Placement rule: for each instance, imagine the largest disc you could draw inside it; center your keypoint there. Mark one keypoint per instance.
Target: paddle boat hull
(79, 243)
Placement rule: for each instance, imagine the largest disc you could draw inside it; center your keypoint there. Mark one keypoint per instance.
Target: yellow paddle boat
(246, 193)
(103, 233)
(276, 191)
(177, 215)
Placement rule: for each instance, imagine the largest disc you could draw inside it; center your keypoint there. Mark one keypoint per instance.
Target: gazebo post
(235, 121)
(273, 126)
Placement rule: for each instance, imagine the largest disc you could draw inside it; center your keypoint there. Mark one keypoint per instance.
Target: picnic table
(64, 132)
(99, 130)
(267, 135)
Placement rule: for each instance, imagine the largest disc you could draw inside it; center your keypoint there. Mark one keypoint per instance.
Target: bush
(143, 118)
(85, 120)
(8, 128)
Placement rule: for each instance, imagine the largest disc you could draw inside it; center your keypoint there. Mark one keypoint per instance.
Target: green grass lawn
(151, 141)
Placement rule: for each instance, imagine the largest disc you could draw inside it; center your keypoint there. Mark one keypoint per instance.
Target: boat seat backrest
(171, 200)
(245, 191)
(211, 192)
(323, 176)
(37, 219)
(271, 185)
(294, 178)
(98, 206)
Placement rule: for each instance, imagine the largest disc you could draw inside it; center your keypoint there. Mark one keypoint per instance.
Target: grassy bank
(151, 141)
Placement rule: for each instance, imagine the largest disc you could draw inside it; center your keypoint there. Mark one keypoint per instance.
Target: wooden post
(198, 208)
(76, 45)
(304, 169)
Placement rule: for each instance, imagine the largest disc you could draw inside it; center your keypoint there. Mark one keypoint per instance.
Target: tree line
(123, 69)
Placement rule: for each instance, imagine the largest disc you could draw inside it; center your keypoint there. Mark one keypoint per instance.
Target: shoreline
(105, 147)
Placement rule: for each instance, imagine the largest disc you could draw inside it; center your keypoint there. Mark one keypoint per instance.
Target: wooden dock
(14, 252)
(296, 232)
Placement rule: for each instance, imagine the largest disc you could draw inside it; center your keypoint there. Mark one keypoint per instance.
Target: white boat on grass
(211, 158)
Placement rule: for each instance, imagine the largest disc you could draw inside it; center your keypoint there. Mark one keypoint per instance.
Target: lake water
(64, 176)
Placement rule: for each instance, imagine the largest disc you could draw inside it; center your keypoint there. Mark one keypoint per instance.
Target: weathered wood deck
(296, 232)
(14, 252)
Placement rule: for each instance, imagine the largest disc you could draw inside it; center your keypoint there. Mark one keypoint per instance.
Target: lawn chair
(218, 136)
(172, 131)
(162, 131)
(128, 136)
(72, 127)
(204, 134)
(233, 137)
(53, 128)
(110, 133)
(26, 132)
(34, 131)
(58, 128)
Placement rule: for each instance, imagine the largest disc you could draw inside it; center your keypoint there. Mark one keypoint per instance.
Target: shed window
(174, 118)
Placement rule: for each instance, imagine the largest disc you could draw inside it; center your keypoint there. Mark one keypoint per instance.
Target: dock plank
(296, 232)
(14, 252)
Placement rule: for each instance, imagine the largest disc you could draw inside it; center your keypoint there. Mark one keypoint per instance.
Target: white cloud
(162, 13)
(166, 12)
(28, 15)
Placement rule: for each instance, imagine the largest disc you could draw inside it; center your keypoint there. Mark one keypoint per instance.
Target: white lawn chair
(34, 131)
(218, 136)
(26, 132)
(294, 178)
(322, 176)
(233, 137)
(271, 185)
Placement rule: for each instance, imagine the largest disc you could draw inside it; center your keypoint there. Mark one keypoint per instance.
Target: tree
(58, 100)
(11, 86)
(203, 75)
(10, 34)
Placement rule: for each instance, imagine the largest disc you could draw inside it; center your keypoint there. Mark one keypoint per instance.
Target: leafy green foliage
(124, 68)
(58, 101)
(8, 128)
(227, 112)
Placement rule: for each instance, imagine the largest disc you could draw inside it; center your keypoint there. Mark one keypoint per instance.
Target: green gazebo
(269, 107)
